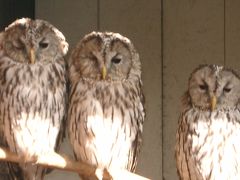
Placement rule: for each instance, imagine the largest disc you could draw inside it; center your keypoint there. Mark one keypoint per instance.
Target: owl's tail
(33, 172)
(14, 172)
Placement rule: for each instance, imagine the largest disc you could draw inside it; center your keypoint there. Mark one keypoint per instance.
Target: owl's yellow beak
(104, 72)
(32, 56)
(213, 102)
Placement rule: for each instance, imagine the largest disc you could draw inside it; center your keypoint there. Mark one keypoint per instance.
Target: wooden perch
(62, 162)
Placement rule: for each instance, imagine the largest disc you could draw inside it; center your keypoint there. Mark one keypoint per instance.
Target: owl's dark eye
(226, 89)
(43, 45)
(203, 87)
(116, 60)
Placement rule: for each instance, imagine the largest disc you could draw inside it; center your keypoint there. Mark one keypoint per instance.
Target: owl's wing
(134, 152)
(61, 135)
(186, 164)
(15, 172)
(136, 145)
(62, 131)
(186, 102)
(8, 171)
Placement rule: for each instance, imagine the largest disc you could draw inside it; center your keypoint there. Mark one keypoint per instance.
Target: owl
(32, 90)
(208, 135)
(106, 103)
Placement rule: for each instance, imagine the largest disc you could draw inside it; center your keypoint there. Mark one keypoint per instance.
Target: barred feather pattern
(32, 108)
(106, 123)
(208, 144)
(105, 116)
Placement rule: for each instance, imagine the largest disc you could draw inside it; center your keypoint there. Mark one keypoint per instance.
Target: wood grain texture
(232, 32)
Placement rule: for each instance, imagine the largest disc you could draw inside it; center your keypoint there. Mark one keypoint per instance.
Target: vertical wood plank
(193, 35)
(140, 21)
(232, 34)
(74, 19)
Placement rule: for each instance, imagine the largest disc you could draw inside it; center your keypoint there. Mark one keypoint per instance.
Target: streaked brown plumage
(32, 90)
(208, 134)
(106, 110)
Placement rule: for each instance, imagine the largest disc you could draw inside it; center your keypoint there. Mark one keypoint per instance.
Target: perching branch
(62, 162)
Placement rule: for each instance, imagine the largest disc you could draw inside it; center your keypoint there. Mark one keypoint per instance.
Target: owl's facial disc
(104, 58)
(29, 42)
(202, 88)
(215, 90)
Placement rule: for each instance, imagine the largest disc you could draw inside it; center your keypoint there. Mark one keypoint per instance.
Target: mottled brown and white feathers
(208, 134)
(32, 89)
(106, 111)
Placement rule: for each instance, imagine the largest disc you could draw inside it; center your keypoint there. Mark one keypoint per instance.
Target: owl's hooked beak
(32, 56)
(104, 72)
(213, 102)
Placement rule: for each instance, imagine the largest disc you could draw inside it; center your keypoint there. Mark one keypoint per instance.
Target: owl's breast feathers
(32, 105)
(208, 144)
(108, 125)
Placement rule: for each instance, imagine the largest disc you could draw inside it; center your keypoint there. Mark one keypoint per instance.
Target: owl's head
(30, 41)
(214, 87)
(105, 56)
